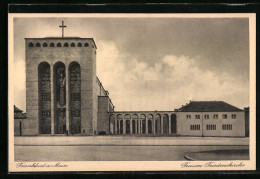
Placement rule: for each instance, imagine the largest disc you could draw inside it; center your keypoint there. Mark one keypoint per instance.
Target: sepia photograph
(111, 92)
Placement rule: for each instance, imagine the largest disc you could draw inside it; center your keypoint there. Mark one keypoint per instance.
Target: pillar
(116, 127)
(153, 126)
(146, 126)
(67, 99)
(119, 127)
(131, 126)
(161, 124)
(136, 126)
(52, 99)
(124, 123)
(141, 127)
(170, 125)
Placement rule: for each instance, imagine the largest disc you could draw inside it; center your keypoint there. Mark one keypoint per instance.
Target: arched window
(52, 45)
(79, 45)
(75, 93)
(45, 45)
(44, 89)
(58, 44)
(31, 44)
(86, 45)
(65, 45)
(72, 45)
(38, 44)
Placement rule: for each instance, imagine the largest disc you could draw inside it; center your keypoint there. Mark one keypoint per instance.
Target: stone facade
(64, 51)
(215, 125)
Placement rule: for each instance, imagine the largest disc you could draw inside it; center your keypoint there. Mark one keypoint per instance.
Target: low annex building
(64, 96)
(198, 118)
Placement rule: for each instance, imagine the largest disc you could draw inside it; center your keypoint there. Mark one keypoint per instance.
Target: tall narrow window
(59, 85)
(44, 98)
(75, 96)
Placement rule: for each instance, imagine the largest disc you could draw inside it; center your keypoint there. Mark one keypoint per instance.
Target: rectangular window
(195, 127)
(215, 116)
(224, 116)
(234, 116)
(197, 116)
(211, 127)
(206, 116)
(227, 127)
(188, 116)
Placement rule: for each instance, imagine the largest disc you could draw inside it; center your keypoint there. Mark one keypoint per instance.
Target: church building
(64, 96)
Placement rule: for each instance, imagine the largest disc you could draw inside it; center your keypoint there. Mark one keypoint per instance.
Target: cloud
(135, 85)
(167, 84)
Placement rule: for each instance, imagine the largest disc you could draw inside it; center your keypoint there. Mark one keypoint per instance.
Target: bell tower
(60, 85)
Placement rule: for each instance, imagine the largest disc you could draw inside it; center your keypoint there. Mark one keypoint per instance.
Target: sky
(153, 63)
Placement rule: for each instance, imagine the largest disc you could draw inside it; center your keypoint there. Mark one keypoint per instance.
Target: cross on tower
(62, 26)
